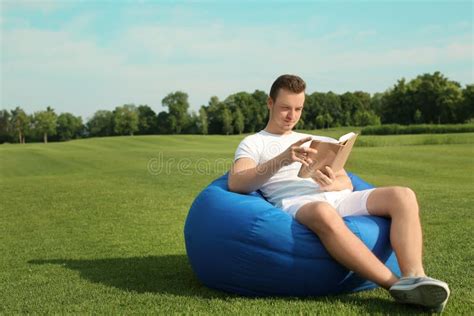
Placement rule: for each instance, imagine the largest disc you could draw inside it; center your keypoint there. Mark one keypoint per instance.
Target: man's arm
(246, 176)
(333, 181)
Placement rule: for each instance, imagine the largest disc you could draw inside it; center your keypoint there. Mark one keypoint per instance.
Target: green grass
(86, 227)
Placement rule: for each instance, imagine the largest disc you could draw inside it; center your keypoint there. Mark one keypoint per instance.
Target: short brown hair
(288, 82)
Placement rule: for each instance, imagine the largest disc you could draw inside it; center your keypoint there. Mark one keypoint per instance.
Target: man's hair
(291, 83)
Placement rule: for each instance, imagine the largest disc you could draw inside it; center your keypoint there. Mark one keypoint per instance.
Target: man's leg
(342, 244)
(400, 204)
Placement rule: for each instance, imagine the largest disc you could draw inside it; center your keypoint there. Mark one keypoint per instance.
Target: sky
(84, 56)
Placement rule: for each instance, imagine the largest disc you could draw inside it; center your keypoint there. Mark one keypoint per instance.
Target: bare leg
(342, 244)
(399, 203)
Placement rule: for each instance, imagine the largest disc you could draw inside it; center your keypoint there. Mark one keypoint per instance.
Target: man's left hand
(332, 181)
(325, 181)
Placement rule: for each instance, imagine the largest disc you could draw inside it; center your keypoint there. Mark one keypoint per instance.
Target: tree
(226, 121)
(449, 100)
(320, 121)
(349, 104)
(172, 124)
(253, 108)
(20, 123)
(356, 102)
(126, 119)
(203, 123)
(332, 106)
(101, 124)
(312, 110)
(364, 100)
(238, 121)
(466, 108)
(396, 106)
(417, 118)
(69, 126)
(437, 98)
(214, 115)
(6, 135)
(147, 120)
(45, 123)
(192, 124)
(260, 98)
(347, 119)
(177, 104)
(376, 103)
(364, 118)
(328, 119)
(164, 123)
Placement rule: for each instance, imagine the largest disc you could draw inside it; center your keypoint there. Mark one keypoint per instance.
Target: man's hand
(246, 176)
(332, 181)
(297, 153)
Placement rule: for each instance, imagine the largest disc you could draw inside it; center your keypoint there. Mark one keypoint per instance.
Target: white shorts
(346, 202)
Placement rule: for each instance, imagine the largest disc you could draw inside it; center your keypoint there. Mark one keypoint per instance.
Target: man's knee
(402, 194)
(402, 198)
(320, 217)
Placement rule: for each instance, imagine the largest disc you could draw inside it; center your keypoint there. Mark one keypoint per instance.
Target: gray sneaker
(423, 291)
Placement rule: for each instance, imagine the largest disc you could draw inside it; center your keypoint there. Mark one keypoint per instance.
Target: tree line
(428, 99)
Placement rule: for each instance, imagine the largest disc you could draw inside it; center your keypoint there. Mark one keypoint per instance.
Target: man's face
(286, 109)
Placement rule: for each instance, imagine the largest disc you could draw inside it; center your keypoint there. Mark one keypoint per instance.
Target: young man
(270, 160)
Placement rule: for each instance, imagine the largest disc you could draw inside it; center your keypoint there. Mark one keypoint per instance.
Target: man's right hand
(297, 153)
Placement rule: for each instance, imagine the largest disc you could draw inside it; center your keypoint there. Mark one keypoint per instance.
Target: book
(331, 152)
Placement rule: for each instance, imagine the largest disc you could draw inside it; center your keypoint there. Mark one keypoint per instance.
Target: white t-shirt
(285, 183)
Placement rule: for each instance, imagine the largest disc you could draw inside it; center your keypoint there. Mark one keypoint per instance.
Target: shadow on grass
(153, 274)
(172, 274)
(369, 305)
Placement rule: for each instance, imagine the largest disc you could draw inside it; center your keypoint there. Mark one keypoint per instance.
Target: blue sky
(82, 56)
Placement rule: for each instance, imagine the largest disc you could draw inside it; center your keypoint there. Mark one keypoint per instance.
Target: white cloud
(464, 25)
(43, 6)
(362, 35)
(73, 73)
(430, 29)
(461, 26)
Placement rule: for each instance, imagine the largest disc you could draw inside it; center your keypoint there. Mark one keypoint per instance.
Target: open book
(331, 152)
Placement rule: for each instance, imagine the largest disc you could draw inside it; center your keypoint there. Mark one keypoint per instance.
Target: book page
(325, 139)
(330, 153)
(346, 137)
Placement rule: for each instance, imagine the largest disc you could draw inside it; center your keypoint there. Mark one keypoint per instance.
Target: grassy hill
(96, 225)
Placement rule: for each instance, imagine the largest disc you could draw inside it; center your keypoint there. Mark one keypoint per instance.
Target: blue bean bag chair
(243, 244)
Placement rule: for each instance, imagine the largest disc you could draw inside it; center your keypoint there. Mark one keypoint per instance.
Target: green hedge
(396, 129)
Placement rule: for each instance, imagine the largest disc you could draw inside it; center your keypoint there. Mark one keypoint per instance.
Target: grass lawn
(94, 226)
